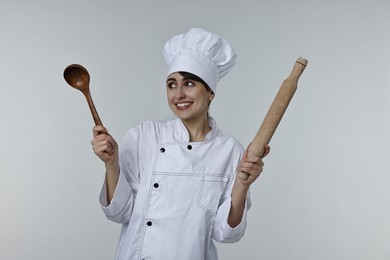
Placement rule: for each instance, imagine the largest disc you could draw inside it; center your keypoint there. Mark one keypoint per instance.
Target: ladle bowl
(78, 77)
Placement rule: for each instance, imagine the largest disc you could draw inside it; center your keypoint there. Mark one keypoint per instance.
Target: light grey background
(324, 193)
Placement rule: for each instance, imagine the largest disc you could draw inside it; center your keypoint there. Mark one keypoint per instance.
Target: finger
(266, 151)
(99, 129)
(260, 162)
(102, 143)
(102, 137)
(249, 166)
(254, 160)
(252, 178)
(104, 149)
(251, 171)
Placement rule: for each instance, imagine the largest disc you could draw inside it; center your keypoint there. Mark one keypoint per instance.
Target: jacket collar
(183, 135)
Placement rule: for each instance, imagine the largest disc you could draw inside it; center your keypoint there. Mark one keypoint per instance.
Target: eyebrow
(184, 78)
(189, 78)
(171, 79)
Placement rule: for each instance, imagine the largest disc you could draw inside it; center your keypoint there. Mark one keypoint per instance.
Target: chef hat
(205, 54)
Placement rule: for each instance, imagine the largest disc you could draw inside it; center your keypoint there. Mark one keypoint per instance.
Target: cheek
(169, 95)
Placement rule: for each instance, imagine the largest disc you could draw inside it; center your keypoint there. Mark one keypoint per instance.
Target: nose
(179, 93)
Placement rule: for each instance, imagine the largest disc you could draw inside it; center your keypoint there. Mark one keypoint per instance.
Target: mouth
(183, 106)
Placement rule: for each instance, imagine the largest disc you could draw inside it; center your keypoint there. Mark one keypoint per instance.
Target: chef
(172, 184)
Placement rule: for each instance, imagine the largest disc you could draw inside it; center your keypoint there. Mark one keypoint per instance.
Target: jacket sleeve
(120, 208)
(222, 232)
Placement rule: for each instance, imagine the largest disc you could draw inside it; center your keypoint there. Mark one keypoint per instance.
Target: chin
(183, 117)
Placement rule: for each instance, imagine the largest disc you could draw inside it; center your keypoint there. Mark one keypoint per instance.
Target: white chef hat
(205, 54)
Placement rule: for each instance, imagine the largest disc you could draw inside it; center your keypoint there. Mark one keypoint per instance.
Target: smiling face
(188, 99)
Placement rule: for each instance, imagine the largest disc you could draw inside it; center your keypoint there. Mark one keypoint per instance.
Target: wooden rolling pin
(275, 112)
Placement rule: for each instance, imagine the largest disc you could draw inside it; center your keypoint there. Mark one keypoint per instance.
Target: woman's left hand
(252, 165)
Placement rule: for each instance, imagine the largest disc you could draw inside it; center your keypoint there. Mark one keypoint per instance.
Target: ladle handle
(94, 113)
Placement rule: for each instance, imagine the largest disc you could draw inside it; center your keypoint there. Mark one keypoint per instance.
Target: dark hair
(190, 76)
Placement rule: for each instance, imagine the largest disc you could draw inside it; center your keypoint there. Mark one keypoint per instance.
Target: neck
(197, 129)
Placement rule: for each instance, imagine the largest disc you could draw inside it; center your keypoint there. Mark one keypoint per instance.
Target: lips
(183, 106)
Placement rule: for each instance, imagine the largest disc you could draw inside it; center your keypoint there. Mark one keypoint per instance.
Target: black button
(162, 150)
(156, 185)
(189, 147)
(149, 223)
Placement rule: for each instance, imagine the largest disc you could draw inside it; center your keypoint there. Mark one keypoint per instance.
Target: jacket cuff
(121, 200)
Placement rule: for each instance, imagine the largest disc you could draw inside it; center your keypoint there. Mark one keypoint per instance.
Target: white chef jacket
(173, 196)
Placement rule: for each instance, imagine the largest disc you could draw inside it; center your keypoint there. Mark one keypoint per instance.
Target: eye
(171, 84)
(189, 83)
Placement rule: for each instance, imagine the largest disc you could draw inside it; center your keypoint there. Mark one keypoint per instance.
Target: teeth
(183, 104)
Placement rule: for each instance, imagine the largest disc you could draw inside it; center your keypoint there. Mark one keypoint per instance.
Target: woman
(172, 183)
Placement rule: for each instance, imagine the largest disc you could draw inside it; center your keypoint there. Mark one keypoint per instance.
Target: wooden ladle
(78, 77)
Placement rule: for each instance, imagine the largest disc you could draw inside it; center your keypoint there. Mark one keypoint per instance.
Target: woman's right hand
(104, 145)
(106, 148)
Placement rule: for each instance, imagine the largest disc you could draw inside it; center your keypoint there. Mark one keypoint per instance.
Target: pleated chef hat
(205, 54)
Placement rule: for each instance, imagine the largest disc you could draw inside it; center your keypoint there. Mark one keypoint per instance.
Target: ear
(211, 95)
